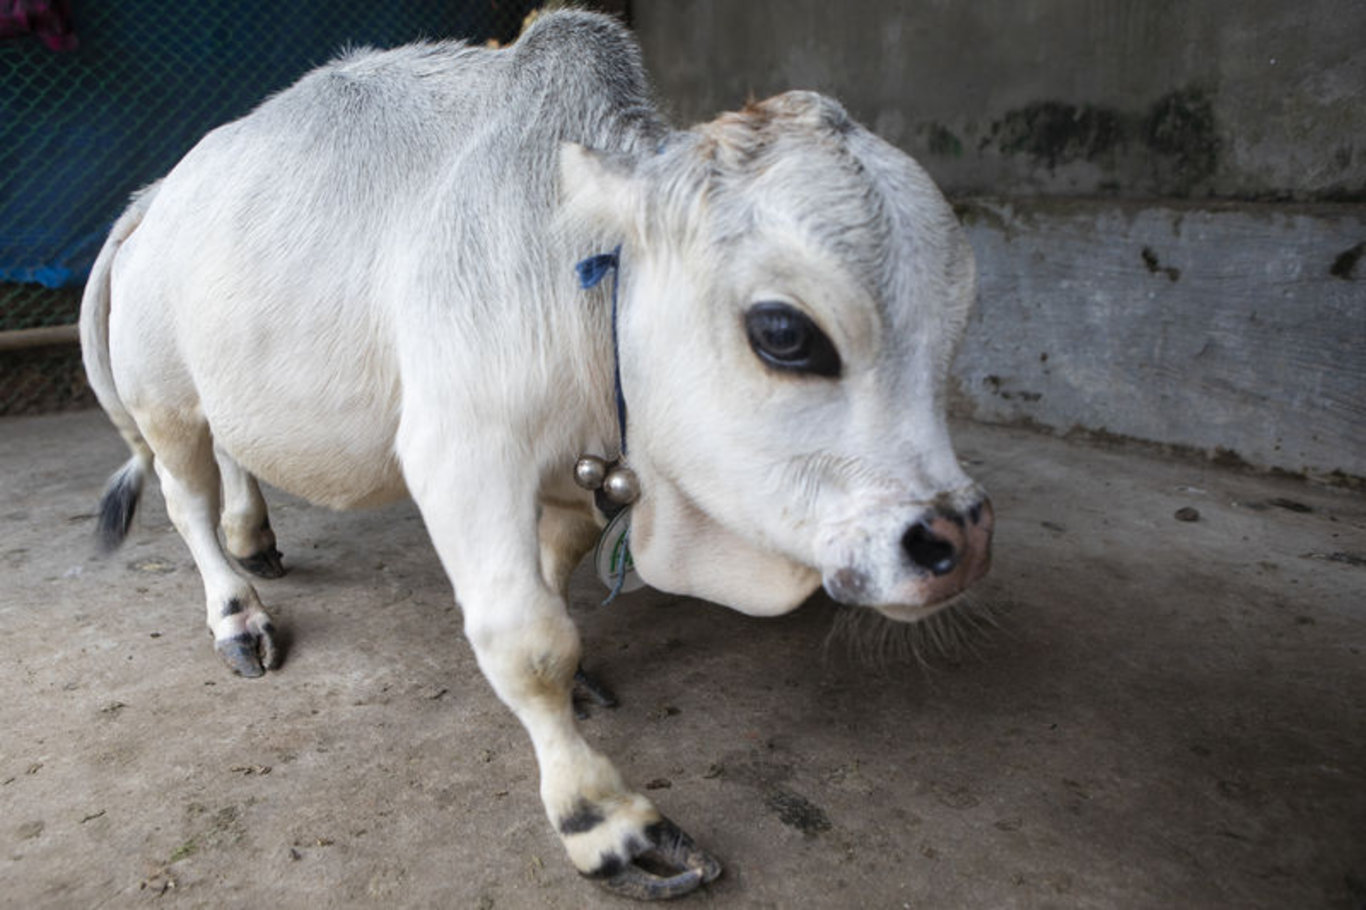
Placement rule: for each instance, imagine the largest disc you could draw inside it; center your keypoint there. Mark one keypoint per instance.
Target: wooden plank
(45, 336)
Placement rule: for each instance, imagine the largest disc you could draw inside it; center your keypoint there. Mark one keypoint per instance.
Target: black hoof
(670, 867)
(590, 690)
(265, 564)
(252, 655)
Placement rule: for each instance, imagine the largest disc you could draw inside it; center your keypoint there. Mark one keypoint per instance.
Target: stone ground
(1170, 714)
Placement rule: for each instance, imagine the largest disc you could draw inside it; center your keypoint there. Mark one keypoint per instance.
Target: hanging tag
(612, 556)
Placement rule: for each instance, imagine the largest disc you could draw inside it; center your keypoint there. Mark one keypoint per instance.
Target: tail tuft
(118, 505)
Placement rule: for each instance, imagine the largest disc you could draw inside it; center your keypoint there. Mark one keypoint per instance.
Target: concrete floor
(1172, 713)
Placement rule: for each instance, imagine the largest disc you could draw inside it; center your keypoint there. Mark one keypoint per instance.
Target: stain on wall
(1173, 143)
(1053, 133)
(1155, 266)
(1181, 133)
(1345, 263)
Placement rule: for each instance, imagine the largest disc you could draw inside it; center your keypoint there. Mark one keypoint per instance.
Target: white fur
(365, 290)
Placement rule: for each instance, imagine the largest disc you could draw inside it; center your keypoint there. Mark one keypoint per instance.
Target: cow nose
(928, 550)
(940, 541)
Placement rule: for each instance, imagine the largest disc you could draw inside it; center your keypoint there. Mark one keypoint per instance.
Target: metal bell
(590, 471)
(621, 485)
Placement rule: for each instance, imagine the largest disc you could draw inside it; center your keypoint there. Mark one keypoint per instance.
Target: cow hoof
(671, 866)
(590, 690)
(252, 654)
(265, 564)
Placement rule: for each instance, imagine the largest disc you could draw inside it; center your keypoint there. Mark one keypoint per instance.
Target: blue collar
(591, 273)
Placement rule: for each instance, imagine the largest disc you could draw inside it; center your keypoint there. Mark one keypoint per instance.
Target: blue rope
(591, 273)
(620, 580)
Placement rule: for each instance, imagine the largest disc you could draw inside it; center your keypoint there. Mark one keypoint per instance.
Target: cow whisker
(960, 631)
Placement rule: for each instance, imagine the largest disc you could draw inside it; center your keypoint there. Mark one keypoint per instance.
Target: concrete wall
(1133, 176)
(1135, 98)
(1233, 329)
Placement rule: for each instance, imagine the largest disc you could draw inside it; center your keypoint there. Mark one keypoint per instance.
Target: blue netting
(81, 129)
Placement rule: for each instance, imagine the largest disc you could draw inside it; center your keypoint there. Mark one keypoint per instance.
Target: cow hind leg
(243, 633)
(246, 526)
(567, 532)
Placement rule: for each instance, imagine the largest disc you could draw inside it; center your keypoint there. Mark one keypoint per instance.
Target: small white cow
(366, 289)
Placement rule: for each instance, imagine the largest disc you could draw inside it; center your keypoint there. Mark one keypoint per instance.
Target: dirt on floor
(1166, 709)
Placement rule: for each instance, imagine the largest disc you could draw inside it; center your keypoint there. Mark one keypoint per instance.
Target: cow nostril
(929, 551)
(981, 514)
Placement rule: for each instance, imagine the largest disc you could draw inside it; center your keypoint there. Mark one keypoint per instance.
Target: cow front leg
(528, 648)
(530, 656)
(246, 526)
(243, 633)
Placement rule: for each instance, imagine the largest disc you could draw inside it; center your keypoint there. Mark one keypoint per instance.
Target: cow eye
(785, 338)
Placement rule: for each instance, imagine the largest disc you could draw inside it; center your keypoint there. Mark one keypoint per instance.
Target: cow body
(365, 289)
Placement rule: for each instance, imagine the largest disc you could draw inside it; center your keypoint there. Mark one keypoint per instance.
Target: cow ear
(599, 191)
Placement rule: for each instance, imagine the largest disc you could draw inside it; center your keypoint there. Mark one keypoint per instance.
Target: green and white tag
(612, 556)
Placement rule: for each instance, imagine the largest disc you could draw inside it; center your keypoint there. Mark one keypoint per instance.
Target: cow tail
(121, 494)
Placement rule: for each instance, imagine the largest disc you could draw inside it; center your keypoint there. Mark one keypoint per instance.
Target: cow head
(792, 292)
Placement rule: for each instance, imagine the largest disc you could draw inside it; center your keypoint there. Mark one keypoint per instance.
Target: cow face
(793, 290)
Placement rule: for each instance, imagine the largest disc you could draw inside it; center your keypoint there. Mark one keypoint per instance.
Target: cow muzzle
(941, 552)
